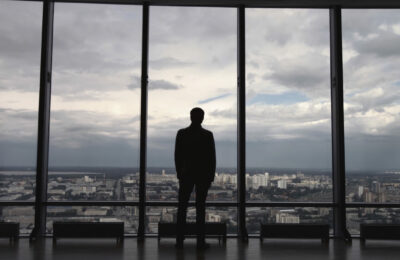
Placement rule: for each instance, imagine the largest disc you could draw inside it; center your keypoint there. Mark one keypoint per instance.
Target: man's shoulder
(183, 130)
(189, 131)
(208, 132)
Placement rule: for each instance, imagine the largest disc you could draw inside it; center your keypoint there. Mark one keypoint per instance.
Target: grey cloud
(19, 113)
(75, 96)
(378, 104)
(366, 152)
(185, 33)
(96, 38)
(304, 73)
(224, 113)
(297, 153)
(364, 21)
(162, 84)
(135, 83)
(204, 101)
(384, 46)
(97, 151)
(80, 129)
(251, 77)
(79, 123)
(365, 72)
(153, 84)
(279, 28)
(20, 39)
(291, 117)
(18, 152)
(89, 61)
(315, 31)
(254, 64)
(297, 77)
(183, 22)
(20, 33)
(134, 119)
(168, 62)
(278, 35)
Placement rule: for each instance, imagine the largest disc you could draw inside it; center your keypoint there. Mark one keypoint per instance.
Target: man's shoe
(203, 246)
(179, 245)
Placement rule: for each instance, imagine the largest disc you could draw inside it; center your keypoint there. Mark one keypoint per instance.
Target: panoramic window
(20, 39)
(192, 63)
(288, 109)
(371, 47)
(95, 107)
(126, 214)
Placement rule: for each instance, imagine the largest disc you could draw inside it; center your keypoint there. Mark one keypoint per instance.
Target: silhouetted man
(195, 165)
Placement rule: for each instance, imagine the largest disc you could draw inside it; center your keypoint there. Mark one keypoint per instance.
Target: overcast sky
(95, 107)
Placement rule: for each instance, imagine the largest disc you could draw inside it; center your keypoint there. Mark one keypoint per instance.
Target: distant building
(360, 191)
(381, 197)
(299, 175)
(257, 180)
(287, 217)
(282, 184)
(213, 217)
(369, 197)
(376, 187)
(88, 179)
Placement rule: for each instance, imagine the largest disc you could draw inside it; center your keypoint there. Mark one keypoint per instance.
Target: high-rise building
(376, 187)
(286, 217)
(360, 191)
(369, 197)
(381, 197)
(282, 184)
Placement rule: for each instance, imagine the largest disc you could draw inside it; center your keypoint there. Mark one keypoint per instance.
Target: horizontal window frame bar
(372, 205)
(366, 4)
(24, 203)
(291, 204)
(6, 203)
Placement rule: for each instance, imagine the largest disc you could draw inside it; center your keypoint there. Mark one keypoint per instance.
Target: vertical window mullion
(143, 121)
(241, 117)
(338, 157)
(44, 120)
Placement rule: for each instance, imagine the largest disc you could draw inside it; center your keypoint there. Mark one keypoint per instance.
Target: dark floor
(88, 249)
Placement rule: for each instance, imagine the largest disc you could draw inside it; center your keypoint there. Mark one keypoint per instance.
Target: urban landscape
(263, 185)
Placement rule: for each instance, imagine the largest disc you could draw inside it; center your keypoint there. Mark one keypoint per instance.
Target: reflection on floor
(98, 249)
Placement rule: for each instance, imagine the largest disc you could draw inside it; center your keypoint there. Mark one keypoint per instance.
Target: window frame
(338, 159)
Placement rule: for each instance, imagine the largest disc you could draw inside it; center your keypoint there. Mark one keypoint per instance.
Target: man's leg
(201, 195)
(185, 188)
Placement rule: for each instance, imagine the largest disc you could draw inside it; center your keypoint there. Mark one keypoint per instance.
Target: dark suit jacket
(195, 154)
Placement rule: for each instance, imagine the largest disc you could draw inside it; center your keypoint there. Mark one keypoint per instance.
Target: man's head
(197, 115)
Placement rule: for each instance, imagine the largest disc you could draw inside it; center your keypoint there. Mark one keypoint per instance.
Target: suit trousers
(185, 189)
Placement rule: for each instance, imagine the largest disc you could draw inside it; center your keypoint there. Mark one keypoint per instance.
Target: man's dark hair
(197, 115)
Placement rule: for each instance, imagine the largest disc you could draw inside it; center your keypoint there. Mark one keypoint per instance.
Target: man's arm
(213, 158)
(178, 154)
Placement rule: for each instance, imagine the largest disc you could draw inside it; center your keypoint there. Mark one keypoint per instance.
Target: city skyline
(261, 187)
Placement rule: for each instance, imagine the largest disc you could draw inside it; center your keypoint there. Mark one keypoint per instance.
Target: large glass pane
(227, 215)
(95, 105)
(192, 64)
(22, 215)
(20, 37)
(288, 108)
(371, 47)
(128, 215)
(357, 216)
(306, 215)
